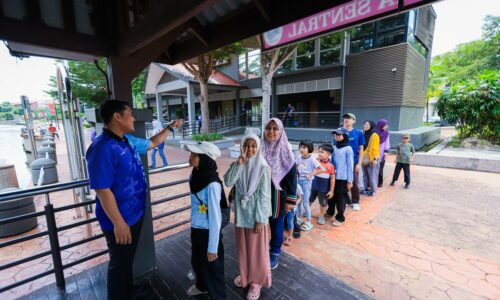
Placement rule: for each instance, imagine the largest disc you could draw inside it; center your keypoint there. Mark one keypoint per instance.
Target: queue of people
(270, 189)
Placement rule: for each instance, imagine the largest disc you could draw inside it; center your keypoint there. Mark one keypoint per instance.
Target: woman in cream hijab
(251, 177)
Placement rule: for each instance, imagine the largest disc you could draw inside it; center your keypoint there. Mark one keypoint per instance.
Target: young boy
(307, 168)
(290, 218)
(405, 153)
(343, 161)
(323, 183)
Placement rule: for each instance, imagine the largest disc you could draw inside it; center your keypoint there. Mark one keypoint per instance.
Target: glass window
(391, 23)
(305, 55)
(390, 38)
(242, 66)
(254, 64)
(412, 40)
(361, 45)
(363, 31)
(286, 66)
(330, 48)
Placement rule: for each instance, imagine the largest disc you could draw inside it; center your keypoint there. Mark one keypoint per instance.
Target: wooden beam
(165, 17)
(263, 11)
(199, 31)
(68, 11)
(248, 24)
(37, 34)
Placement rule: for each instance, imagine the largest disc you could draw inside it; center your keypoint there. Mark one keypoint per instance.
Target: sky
(458, 21)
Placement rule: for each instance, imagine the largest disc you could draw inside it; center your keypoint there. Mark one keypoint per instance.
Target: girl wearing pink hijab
(279, 156)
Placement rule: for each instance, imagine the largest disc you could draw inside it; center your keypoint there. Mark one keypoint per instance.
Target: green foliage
(469, 59)
(18, 111)
(6, 116)
(474, 106)
(89, 84)
(179, 113)
(207, 137)
(7, 107)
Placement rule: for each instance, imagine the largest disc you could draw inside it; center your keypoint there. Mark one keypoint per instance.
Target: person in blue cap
(117, 176)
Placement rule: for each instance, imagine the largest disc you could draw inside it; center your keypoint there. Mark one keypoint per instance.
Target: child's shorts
(323, 202)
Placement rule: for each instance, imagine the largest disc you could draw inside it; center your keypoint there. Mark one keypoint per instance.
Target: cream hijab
(252, 171)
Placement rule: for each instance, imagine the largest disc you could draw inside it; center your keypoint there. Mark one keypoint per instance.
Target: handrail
(50, 188)
(169, 168)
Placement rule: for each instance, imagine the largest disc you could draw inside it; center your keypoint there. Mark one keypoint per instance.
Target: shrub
(207, 137)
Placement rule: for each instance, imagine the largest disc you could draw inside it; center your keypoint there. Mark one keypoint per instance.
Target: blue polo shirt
(356, 139)
(114, 163)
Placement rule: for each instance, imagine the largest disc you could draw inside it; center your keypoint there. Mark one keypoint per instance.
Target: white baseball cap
(206, 148)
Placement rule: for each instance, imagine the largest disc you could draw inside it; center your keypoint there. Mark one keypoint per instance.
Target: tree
(473, 106)
(270, 62)
(89, 84)
(202, 67)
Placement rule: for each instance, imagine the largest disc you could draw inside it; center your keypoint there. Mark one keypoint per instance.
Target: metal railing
(219, 125)
(328, 119)
(53, 230)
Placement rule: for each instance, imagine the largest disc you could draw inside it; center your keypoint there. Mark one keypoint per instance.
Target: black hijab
(368, 133)
(344, 142)
(205, 174)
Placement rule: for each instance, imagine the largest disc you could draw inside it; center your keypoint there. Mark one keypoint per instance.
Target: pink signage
(339, 16)
(344, 14)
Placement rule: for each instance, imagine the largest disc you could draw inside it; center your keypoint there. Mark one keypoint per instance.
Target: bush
(179, 113)
(207, 137)
(7, 116)
(473, 106)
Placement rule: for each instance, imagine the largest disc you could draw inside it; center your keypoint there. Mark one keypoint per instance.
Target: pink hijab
(278, 154)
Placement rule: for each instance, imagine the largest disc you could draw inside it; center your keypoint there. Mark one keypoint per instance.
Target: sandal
(254, 292)
(237, 282)
(306, 226)
(288, 241)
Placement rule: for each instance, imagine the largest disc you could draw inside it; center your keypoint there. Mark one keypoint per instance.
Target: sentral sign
(338, 17)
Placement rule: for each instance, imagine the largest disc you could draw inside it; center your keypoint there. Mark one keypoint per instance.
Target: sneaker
(337, 223)
(321, 220)
(194, 291)
(296, 234)
(274, 261)
(407, 186)
(362, 192)
(392, 183)
(356, 207)
(300, 221)
(306, 226)
(370, 193)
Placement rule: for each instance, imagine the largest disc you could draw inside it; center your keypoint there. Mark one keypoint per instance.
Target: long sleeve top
(385, 146)
(343, 160)
(206, 214)
(373, 149)
(288, 193)
(258, 207)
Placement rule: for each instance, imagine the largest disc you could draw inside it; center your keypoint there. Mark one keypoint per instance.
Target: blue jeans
(306, 188)
(162, 155)
(289, 219)
(277, 228)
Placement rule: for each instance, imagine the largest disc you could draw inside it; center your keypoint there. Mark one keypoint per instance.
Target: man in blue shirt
(117, 176)
(356, 141)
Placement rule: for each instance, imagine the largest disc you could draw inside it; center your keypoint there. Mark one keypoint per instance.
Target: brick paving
(379, 251)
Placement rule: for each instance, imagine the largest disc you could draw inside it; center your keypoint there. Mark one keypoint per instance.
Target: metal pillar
(28, 118)
(159, 108)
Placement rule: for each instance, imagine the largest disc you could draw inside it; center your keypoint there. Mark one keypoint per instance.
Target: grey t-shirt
(306, 166)
(405, 152)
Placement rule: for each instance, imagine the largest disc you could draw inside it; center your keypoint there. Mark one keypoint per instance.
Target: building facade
(376, 70)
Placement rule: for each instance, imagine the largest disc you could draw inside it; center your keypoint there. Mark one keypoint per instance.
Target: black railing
(53, 230)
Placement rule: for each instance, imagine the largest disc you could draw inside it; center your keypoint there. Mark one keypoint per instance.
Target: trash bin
(48, 137)
(49, 169)
(42, 153)
(14, 208)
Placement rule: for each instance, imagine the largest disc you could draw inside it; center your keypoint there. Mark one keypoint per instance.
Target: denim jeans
(306, 188)
(162, 155)
(289, 219)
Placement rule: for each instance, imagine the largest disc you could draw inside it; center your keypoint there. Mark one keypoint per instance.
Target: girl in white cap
(251, 177)
(207, 257)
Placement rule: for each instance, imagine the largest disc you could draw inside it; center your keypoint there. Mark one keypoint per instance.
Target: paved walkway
(438, 240)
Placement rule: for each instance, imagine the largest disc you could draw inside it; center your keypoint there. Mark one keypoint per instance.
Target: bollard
(42, 152)
(49, 170)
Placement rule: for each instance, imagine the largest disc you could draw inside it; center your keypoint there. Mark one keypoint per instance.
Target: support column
(120, 79)
(159, 108)
(190, 102)
(237, 103)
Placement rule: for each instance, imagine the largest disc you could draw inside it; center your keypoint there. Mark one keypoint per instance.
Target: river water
(11, 152)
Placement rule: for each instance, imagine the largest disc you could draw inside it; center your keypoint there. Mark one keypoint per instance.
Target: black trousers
(381, 173)
(354, 190)
(209, 275)
(338, 200)
(406, 170)
(121, 259)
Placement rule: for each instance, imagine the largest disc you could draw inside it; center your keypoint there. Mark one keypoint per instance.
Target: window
(286, 66)
(242, 66)
(362, 38)
(329, 49)
(254, 64)
(305, 55)
(412, 39)
(392, 23)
